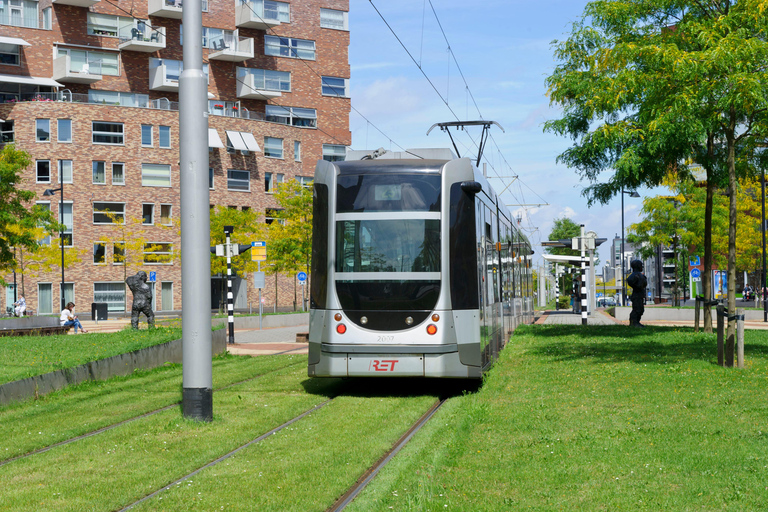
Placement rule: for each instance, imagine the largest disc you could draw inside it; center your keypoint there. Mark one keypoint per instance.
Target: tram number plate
(386, 365)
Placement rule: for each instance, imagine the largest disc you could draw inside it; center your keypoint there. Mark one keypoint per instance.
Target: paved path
(278, 340)
(567, 317)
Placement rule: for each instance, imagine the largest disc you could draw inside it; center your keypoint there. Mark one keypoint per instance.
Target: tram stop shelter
(589, 242)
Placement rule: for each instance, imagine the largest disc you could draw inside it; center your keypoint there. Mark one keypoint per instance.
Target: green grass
(596, 418)
(26, 356)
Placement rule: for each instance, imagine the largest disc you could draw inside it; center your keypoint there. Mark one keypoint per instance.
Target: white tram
(417, 268)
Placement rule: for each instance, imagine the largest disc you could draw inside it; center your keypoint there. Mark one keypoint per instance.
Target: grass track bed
(108, 471)
(597, 418)
(77, 410)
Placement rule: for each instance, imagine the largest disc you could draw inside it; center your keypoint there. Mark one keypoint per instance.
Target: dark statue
(639, 283)
(142, 299)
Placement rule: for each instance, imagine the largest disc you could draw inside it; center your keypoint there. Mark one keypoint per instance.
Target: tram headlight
(341, 328)
(431, 329)
(409, 320)
(363, 320)
(435, 317)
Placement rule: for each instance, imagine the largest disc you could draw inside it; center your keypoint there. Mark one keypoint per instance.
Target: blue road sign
(695, 272)
(695, 261)
(301, 276)
(152, 276)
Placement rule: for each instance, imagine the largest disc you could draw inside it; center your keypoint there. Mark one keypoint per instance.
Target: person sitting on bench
(67, 319)
(20, 306)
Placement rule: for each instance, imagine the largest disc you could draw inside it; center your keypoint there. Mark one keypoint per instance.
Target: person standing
(68, 319)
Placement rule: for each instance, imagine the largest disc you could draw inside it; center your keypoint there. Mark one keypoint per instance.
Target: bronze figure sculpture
(639, 283)
(142, 299)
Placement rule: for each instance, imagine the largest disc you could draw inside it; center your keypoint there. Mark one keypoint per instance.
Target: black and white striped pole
(228, 230)
(582, 245)
(557, 286)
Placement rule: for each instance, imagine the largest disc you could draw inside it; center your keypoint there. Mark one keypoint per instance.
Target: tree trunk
(731, 333)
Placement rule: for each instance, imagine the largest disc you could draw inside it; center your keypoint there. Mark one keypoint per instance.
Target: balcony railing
(78, 3)
(232, 48)
(144, 38)
(156, 104)
(80, 72)
(169, 8)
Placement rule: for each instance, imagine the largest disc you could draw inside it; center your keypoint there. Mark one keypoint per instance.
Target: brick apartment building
(89, 88)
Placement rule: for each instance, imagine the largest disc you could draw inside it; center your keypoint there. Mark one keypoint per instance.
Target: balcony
(78, 3)
(248, 88)
(254, 15)
(164, 77)
(86, 72)
(148, 40)
(232, 48)
(169, 8)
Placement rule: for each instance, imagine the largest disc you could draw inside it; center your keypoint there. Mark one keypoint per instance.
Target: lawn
(596, 418)
(26, 356)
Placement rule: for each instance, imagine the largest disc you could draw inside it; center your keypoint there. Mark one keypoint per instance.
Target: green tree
(19, 223)
(649, 85)
(290, 237)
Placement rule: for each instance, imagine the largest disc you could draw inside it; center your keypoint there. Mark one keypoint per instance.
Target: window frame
(60, 167)
(121, 252)
(38, 123)
(144, 214)
(160, 254)
(288, 50)
(100, 133)
(37, 170)
(109, 221)
(160, 130)
(297, 151)
(58, 131)
(272, 181)
(144, 133)
(268, 154)
(331, 25)
(156, 175)
(103, 166)
(233, 181)
(291, 116)
(103, 246)
(7, 127)
(15, 57)
(331, 154)
(118, 182)
(170, 214)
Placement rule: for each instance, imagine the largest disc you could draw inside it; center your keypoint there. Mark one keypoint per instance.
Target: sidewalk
(259, 342)
(567, 317)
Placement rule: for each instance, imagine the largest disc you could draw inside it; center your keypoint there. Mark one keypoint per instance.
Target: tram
(417, 268)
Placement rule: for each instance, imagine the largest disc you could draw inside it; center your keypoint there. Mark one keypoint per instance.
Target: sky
(504, 53)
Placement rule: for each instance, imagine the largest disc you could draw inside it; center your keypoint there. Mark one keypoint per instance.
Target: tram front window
(411, 245)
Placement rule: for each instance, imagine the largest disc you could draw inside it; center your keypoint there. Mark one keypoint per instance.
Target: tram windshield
(388, 193)
(411, 245)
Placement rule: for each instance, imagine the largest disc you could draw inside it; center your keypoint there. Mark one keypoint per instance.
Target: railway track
(129, 420)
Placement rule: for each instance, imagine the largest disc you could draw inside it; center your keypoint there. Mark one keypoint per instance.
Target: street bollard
(720, 335)
(697, 314)
(740, 337)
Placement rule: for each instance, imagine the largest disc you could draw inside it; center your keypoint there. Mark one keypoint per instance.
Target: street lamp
(632, 193)
(50, 192)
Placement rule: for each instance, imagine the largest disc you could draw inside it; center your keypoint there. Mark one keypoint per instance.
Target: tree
(19, 223)
(649, 85)
(290, 237)
(247, 227)
(46, 257)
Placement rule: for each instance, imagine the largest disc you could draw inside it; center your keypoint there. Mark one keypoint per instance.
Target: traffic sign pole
(230, 298)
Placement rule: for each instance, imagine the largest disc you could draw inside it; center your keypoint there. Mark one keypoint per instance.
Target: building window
(65, 218)
(47, 18)
(89, 62)
(65, 171)
(108, 25)
(166, 296)
(239, 180)
(333, 86)
(113, 294)
(118, 253)
(43, 130)
(118, 173)
(19, 13)
(147, 213)
(334, 152)
(45, 205)
(305, 181)
(331, 18)
(289, 47)
(100, 253)
(107, 133)
(158, 253)
(165, 214)
(155, 175)
(99, 172)
(265, 79)
(293, 116)
(164, 136)
(108, 213)
(273, 147)
(6, 132)
(10, 54)
(43, 171)
(146, 135)
(297, 150)
(65, 130)
(44, 299)
(272, 181)
(210, 178)
(272, 214)
(270, 10)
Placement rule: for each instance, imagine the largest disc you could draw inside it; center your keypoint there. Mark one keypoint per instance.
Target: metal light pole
(632, 193)
(762, 284)
(50, 192)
